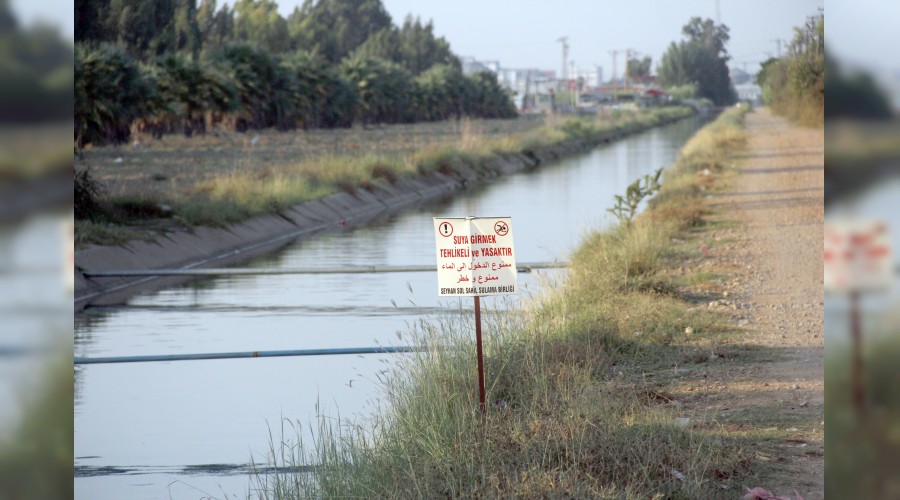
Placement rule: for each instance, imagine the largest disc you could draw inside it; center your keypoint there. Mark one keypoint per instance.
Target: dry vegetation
(223, 178)
(177, 165)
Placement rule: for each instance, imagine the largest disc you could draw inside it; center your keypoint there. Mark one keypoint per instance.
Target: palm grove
(177, 66)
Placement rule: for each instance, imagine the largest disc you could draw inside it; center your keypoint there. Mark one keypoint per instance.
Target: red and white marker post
(857, 260)
(475, 257)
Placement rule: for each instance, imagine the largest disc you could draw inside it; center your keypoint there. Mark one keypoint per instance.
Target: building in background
(750, 92)
(590, 77)
(530, 88)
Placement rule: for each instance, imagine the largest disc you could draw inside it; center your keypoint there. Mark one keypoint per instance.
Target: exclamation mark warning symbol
(446, 229)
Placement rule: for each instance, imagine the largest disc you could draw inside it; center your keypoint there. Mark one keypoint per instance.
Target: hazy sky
(865, 33)
(523, 33)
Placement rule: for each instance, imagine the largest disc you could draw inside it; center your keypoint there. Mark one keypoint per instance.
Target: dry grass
(224, 178)
(177, 164)
(34, 151)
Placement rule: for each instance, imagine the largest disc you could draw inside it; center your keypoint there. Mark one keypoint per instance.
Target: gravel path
(768, 247)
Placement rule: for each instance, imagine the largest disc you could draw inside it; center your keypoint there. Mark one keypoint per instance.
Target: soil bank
(770, 251)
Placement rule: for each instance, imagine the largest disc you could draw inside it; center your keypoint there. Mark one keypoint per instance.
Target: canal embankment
(439, 176)
(579, 380)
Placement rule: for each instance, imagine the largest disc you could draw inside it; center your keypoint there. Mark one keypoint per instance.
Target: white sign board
(857, 256)
(475, 256)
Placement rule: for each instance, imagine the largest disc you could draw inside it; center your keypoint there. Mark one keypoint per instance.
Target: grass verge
(575, 410)
(864, 448)
(245, 184)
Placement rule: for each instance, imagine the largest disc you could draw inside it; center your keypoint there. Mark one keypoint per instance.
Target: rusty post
(480, 352)
(856, 332)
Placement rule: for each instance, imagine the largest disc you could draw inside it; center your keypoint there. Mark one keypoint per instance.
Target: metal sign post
(475, 257)
(859, 390)
(480, 353)
(857, 259)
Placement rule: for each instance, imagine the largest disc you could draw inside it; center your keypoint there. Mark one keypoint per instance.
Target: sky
(523, 33)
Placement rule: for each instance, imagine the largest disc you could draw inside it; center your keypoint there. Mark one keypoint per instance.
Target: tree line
(700, 62)
(794, 85)
(175, 66)
(35, 72)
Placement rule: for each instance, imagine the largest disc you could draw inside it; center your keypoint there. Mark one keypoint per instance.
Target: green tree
(442, 92)
(385, 89)
(412, 46)
(794, 85)
(258, 21)
(323, 97)
(109, 94)
(264, 88)
(216, 26)
(35, 72)
(187, 91)
(333, 29)
(420, 49)
(854, 95)
(91, 17)
(385, 44)
(638, 69)
(145, 29)
(186, 30)
(487, 99)
(701, 59)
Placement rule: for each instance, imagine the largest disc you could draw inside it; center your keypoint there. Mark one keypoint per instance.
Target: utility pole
(718, 13)
(778, 44)
(565, 56)
(527, 96)
(628, 58)
(615, 56)
(575, 82)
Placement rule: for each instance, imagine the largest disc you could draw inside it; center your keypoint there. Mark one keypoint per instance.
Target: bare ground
(766, 247)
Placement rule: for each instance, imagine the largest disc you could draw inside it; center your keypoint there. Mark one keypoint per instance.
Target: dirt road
(767, 246)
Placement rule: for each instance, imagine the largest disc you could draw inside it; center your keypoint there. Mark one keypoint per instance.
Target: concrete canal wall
(202, 247)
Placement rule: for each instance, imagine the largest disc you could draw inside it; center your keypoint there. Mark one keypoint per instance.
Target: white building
(530, 88)
(749, 92)
(592, 76)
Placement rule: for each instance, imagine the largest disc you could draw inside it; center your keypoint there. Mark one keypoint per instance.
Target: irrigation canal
(189, 429)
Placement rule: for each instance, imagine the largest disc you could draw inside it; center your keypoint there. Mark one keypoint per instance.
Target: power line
(247, 354)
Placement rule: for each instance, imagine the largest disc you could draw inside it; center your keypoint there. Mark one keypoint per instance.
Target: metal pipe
(525, 267)
(13, 351)
(248, 354)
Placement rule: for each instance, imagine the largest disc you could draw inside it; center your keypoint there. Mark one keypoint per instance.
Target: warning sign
(475, 256)
(857, 256)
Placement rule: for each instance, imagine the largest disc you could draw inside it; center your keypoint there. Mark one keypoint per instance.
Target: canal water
(189, 429)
